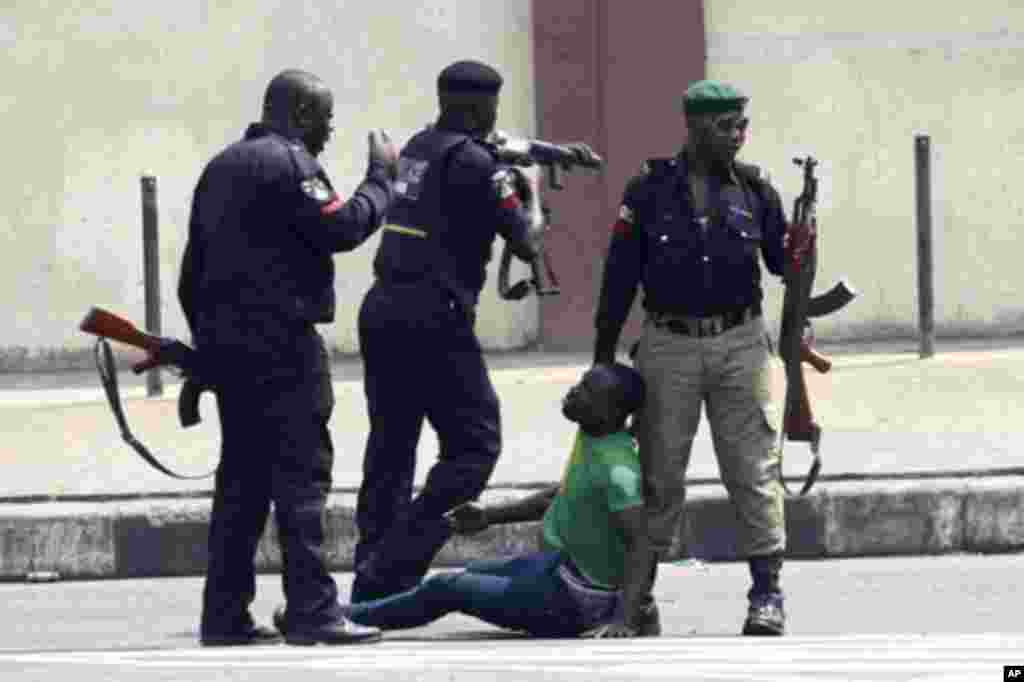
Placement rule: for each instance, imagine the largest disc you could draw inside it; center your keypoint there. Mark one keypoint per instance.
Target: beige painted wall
(852, 83)
(99, 93)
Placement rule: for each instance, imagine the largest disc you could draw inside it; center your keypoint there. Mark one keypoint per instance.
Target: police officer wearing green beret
(692, 230)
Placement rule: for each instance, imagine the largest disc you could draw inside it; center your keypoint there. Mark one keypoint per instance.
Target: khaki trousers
(730, 375)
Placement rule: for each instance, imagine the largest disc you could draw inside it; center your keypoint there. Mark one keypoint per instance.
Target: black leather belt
(712, 325)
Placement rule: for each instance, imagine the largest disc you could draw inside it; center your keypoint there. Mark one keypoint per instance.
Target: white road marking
(920, 658)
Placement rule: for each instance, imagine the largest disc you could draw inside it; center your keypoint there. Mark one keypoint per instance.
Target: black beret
(469, 76)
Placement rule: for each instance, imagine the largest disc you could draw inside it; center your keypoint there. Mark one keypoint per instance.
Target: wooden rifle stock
(815, 359)
(108, 325)
(159, 352)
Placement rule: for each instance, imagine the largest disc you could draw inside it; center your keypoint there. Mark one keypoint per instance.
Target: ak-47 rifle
(798, 306)
(160, 352)
(555, 159)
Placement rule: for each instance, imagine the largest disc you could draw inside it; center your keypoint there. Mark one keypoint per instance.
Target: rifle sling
(108, 376)
(812, 476)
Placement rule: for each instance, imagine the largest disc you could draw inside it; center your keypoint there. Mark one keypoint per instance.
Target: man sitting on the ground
(592, 575)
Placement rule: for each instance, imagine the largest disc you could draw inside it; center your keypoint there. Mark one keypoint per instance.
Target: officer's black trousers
(422, 360)
(275, 448)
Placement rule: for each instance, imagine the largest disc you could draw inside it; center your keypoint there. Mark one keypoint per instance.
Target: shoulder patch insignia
(505, 188)
(624, 225)
(316, 189)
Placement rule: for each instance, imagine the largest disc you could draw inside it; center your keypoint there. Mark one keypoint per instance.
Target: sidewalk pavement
(920, 457)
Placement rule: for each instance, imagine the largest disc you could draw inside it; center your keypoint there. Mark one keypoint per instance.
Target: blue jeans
(525, 593)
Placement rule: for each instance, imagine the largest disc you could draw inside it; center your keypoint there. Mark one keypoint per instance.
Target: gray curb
(149, 538)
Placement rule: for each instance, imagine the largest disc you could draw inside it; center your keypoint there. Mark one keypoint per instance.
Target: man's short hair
(629, 387)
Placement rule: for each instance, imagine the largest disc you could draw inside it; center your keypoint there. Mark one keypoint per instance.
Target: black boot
(766, 614)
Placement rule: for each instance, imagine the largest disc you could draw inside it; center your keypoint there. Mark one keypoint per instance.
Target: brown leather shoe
(255, 635)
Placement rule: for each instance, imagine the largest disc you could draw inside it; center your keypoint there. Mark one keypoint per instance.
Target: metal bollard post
(925, 292)
(151, 274)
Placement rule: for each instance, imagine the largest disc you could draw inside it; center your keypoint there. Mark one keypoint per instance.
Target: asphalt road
(931, 619)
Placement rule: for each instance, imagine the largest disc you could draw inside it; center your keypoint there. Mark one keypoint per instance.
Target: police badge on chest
(410, 177)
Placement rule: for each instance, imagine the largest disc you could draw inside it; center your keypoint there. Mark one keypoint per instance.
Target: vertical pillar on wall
(925, 275)
(151, 274)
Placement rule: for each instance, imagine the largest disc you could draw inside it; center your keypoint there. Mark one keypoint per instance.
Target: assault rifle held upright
(555, 159)
(798, 306)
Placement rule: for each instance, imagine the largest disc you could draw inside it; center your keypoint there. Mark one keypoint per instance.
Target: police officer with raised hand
(256, 278)
(690, 231)
(422, 359)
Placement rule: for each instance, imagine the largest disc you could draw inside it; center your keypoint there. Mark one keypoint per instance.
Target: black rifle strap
(812, 473)
(108, 375)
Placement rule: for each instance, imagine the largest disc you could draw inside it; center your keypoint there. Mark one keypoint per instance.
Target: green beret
(712, 97)
(469, 76)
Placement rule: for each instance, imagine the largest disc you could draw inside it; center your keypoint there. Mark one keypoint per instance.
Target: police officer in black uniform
(421, 356)
(691, 229)
(256, 278)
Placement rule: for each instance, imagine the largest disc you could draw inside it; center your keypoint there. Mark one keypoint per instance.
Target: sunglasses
(726, 124)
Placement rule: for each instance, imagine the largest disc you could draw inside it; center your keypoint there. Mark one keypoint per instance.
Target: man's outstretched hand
(798, 239)
(468, 518)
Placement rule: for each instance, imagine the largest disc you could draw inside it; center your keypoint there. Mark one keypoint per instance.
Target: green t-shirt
(601, 477)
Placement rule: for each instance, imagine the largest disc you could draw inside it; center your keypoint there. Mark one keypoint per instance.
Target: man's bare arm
(638, 562)
(473, 518)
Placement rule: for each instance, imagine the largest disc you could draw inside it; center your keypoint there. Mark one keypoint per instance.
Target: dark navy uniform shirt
(258, 270)
(689, 264)
(452, 199)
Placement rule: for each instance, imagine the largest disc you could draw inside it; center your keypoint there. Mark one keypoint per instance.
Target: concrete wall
(852, 83)
(99, 93)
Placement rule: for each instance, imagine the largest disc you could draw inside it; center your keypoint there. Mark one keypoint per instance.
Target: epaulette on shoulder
(752, 173)
(749, 171)
(756, 178)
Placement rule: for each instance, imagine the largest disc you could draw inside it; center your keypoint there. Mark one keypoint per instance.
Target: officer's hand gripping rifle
(160, 352)
(798, 306)
(555, 159)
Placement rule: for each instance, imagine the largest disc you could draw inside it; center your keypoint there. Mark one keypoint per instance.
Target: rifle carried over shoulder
(555, 159)
(795, 344)
(160, 351)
